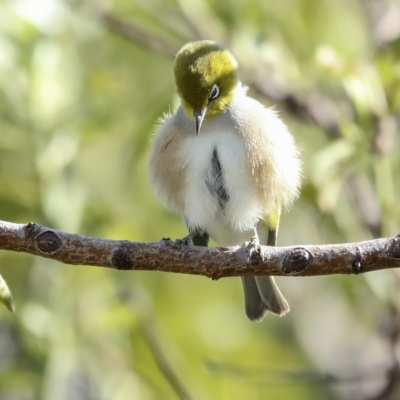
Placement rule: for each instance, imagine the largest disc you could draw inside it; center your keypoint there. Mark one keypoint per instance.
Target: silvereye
(226, 164)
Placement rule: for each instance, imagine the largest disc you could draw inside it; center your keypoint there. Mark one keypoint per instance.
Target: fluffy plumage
(236, 176)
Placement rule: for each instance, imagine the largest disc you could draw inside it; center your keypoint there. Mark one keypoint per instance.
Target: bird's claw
(186, 241)
(251, 246)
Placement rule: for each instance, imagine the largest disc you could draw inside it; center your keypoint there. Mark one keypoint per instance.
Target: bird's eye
(214, 92)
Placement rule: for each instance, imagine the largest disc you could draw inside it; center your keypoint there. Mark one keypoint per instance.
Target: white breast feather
(201, 207)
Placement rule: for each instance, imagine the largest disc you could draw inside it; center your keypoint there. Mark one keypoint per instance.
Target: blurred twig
(390, 330)
(141, 37)
(135, 34)
(363, 195)
(146, 328)
(318, 110)
(392, 376)
(163, 364)
(272, 377)
(388, 374)
(169, 256)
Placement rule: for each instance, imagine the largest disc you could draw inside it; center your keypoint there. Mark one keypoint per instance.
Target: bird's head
(206, 76)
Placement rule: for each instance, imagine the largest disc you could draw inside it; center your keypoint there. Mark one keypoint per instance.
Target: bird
(225, 163)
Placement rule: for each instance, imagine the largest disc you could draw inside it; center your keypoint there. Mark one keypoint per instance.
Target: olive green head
(206, 76)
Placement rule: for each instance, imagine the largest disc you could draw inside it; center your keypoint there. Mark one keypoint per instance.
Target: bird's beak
(198, 118)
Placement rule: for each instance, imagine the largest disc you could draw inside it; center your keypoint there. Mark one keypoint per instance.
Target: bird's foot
(186, 241)
(252, 246)
(195, 238)
(254, 242)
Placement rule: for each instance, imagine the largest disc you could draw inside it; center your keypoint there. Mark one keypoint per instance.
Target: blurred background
(82, 85)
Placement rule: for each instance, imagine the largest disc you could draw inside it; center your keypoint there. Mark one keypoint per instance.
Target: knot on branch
(296, 261)
(44, 239)
(393, 247)
(120, 259)
(358, 265)
(48, 242)
(31, 229)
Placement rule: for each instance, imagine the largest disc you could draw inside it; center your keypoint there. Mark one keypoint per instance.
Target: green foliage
(78, 105)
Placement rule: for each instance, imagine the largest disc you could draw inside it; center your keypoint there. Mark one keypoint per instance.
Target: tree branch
(215, 263)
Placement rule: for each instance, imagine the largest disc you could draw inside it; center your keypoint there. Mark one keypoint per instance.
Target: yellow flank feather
(272, 219)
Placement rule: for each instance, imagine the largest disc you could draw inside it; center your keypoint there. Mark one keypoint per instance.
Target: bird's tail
(261, 294)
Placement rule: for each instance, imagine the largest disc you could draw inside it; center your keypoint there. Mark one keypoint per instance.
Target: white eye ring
(214, 92)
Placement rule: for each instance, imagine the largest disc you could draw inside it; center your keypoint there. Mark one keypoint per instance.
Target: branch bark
(169, 256)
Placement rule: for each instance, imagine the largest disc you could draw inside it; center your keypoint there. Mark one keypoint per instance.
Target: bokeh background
(82, 85)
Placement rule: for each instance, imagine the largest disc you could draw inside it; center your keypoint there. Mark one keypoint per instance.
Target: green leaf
(5, 295)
